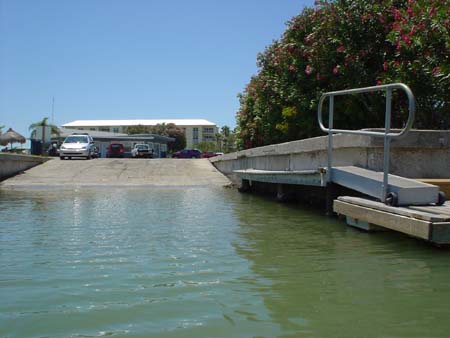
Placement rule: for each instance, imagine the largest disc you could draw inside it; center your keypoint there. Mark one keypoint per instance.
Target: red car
(188, 153)
(208, 154)
(115, 150)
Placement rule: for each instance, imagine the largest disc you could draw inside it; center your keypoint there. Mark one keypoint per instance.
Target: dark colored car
(95, 154)
(115, 150)
(208, 154)
(188, 153)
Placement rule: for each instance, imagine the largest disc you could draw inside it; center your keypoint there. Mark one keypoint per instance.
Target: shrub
(348, 44)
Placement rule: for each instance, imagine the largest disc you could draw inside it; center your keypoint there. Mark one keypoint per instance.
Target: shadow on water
(326, 279)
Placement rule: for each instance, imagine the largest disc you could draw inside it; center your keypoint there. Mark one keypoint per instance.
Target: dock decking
(431, 223)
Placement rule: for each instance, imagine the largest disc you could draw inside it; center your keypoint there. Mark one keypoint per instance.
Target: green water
(207, 263)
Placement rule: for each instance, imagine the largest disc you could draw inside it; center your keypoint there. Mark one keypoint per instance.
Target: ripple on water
(203, 263)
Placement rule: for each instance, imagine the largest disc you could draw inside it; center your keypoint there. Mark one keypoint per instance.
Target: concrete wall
(12, 164)
(420, 154)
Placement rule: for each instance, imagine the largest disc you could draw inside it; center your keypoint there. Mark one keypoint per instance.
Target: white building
(196, 130)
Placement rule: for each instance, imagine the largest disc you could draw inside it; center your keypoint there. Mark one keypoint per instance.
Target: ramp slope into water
(119, 173)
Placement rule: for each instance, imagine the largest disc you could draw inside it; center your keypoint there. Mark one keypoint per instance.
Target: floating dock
(428, 222)
(302, 177)
(431, 223)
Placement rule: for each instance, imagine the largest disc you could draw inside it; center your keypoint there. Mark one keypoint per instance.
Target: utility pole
(53, 110)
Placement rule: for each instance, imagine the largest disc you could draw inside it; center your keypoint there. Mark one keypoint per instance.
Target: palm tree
(219, 141)
(44, 123)
(225, 132)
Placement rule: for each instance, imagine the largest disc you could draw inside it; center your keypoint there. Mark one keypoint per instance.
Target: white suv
(77, 145)
(141, 150)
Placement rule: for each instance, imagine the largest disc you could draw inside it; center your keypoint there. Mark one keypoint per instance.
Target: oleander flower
(308, 70)
(436, 70)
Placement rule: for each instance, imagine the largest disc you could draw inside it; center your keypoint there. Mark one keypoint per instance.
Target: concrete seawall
(12, 164)
(420, 154)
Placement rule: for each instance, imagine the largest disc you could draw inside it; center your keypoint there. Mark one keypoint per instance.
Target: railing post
(330, 139)
(387, 145)
(387, 135)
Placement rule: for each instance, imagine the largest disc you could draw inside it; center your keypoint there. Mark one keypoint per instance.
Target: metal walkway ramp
(400, 190)
(390, 189)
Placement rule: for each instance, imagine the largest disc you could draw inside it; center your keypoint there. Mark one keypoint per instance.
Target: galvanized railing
(387, 134)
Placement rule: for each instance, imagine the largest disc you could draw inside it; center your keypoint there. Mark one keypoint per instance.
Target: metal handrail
(387, 135)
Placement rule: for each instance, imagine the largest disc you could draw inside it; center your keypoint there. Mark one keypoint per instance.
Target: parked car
(141, 150)
(77, 145)
(187, 153)
(208, 154)
(115, 150)
(53, 150)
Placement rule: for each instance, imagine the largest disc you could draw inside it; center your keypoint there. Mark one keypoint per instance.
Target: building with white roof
(196, 130)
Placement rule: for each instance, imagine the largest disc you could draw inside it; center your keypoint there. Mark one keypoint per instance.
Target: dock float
(430, 223)
(301, 177)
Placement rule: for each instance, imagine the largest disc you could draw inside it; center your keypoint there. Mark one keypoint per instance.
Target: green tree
(225, 140)
(206, 146)
(44, 123)
(1, 128)
(231, 142)
(169, 130)
(219, 141)
(139, 129)
(225, 132)
(344, 44)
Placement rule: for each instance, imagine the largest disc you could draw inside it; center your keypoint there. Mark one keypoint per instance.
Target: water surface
(207, 263)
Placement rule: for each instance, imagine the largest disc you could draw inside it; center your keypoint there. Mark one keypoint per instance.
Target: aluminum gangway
(390, 189)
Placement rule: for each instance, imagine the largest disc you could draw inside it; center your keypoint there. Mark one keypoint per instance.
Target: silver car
(77, 145)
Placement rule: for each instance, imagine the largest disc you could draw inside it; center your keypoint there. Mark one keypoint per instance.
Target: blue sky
(110, 59)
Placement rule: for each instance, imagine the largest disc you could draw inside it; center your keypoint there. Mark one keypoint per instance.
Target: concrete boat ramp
(110, 172)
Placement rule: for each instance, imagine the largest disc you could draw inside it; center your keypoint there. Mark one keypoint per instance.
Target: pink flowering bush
(348, 44)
